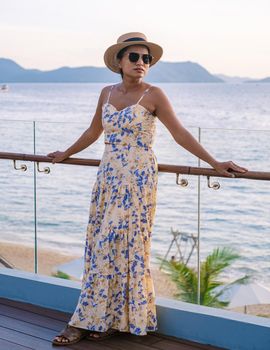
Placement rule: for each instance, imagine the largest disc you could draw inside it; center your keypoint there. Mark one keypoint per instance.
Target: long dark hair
(120, 55)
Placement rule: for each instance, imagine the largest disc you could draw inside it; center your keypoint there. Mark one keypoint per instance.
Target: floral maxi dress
(117, 287)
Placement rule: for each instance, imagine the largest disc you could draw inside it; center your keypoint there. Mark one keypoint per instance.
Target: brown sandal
(96, 336)
(71, 334)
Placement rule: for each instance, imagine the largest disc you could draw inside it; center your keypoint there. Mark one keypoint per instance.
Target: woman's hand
(57, 156)
(224, 167)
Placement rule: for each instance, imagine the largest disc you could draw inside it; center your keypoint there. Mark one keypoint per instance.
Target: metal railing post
(198, 228)
(35, 201)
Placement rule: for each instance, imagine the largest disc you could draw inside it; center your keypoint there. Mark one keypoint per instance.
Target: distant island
(228, 79)
(178, 72)
(233, 80)
(265, 80)
(162, 72)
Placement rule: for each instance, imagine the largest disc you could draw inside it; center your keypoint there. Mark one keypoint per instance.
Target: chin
(136, 75)
(140, 74)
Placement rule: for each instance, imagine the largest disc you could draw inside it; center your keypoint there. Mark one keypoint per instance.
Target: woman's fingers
(237, 168)
(52, 154)
(229, 174)
(226, 168)
(57, 156)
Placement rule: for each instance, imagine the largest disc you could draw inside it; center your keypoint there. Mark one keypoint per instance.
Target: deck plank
(33, 318)
(170, 345)
(24, 339)
(7, 345)
(25, 326)
(62, 316)
(122, 344)
(151, 338)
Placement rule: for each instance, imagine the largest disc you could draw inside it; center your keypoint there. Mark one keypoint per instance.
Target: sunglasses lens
(134, 57)
(147, 59)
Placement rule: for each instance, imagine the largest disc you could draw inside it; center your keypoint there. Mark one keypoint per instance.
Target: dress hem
(96, 328)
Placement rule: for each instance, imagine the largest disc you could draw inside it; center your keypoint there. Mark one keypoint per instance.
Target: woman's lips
(139, 70)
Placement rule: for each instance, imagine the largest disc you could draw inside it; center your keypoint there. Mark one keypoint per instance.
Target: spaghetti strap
(145, 92)
(109, 95)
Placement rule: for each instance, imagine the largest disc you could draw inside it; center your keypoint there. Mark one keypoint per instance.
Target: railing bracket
(215, 185)
(46, 170)
(23, 167)
(182, 182)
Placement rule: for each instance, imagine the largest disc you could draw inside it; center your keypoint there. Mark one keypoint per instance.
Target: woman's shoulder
(156, 91)
(105, 91)
(154, 88)
(107, 88)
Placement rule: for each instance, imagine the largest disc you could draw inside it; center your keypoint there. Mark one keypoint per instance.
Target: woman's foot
(70, 335)
(93, 335)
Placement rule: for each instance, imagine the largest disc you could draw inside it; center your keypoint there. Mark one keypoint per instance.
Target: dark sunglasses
(134, 57)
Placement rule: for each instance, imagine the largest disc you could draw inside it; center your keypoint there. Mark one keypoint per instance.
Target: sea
(232, 122)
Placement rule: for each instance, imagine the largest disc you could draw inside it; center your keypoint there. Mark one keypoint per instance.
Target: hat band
(135, 39)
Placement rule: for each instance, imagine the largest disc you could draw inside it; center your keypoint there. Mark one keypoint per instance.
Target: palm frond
(218, 260)
(186, 278)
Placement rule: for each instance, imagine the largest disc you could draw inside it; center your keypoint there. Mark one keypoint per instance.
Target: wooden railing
(168, 168)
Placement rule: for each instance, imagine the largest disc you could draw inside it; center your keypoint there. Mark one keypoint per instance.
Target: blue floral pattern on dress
(117, 286)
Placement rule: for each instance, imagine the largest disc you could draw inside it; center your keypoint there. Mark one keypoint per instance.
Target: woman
(117, 288)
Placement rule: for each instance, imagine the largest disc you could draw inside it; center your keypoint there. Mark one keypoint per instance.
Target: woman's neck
(129, 85)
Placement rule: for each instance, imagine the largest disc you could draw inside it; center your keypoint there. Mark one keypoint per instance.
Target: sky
(230, 37)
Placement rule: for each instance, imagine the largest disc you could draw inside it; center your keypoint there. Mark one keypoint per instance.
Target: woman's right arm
(88, 137)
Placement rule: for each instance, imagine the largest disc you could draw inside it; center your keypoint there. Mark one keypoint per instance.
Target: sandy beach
(22, 257)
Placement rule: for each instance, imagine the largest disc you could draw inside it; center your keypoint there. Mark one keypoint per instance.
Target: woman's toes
(94, 335)
(61, 339)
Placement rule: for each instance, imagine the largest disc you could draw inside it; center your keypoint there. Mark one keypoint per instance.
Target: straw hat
(128, 39)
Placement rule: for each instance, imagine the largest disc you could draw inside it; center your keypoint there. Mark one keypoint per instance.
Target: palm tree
(186, 278)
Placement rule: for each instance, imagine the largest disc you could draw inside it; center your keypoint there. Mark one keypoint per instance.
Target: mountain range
(11, 71)
(178, 72)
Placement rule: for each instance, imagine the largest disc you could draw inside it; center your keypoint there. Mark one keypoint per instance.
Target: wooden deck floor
(24, 326)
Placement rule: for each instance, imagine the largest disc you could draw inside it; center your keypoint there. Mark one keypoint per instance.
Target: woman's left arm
(183, 137)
